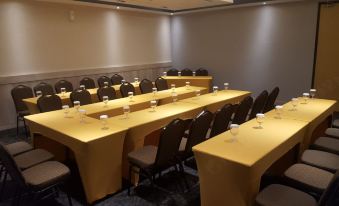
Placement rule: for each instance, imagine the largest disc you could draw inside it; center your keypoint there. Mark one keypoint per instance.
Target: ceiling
(171, 5)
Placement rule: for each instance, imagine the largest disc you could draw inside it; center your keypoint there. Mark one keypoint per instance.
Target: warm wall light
(118, 7)
(71, 15)
(264, 3)
(171, 14)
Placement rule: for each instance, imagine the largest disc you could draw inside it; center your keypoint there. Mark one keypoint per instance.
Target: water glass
(154, 91)
(179, 74)
(76, 105)
(123, 81)
(126, 110)
(278, 110)
(306, 96)
(188, 85)
(153, 105)
(66, 110)
(234, 129)
(312, 93)
(226, 86)
(63, 91)
(165, 74)
(82, 113)
(103, 120)
(193, 74)
(136, 80)
(130, 95)
(197, 93)
(294, 102)
(215, 90)
(174, 97)
(260, 119)
(38, 94)
(82, 87)
(105, 100)
(173, 87)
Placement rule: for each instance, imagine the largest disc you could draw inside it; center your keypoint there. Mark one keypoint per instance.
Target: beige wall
(252, 48)
(39, 38)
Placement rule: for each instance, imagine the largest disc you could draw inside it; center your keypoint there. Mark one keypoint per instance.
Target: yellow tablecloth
(200, 81)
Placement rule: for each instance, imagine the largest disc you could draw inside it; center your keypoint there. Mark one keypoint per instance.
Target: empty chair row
(187, 72)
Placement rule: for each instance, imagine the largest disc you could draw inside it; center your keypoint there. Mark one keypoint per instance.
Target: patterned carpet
(170, 189)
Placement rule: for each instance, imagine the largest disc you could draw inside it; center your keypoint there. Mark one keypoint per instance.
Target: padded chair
(37, 179)
(323, 160)
(46, 89)
(172, 72)
(186, 72)
(32, 158)
(201, 72)
(103, 79)
(19, 147)
(83, 96)
(332, 132)
(116, 79)
(146, 86)
(18, 94)
(88, 83)
(281, 195)
(335, 123)
(222, 118)
(106, 91)
(63, 84)
(327, 144)
(161, 84)
(242, 110)
(272, 97)
(49, 103)
(125, 88)
(259, 104)
(151, 159)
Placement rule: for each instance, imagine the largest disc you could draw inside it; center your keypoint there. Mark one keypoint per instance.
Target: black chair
(201, 72)
(242, 110)
(41, 179)
(106, 91)
(88, 83)
(146, 86)
(49, 103)
(63, 84)
(46, 89)
(83, 96)
(116, 79)
(259, 104)
(172, 72)
(161, 84)
(125, 88)
(222, 118)
(272, 97)
(102, 81)
(151, 160)
(186, 72)
(19, 93)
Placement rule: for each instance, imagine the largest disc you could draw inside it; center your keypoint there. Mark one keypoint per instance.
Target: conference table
(179, 81)
(230, 170)
(101, 153)
(32, 105)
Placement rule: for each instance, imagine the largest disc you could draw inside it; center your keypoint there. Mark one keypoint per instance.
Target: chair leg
(182, 170)
(3, 184)
(69, 197)
(130, 180)
(25, 126)
(17, 126)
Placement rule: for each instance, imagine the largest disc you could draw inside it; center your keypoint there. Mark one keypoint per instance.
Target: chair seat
(182, 144)
(33, 157)
(280, 195)
(327, 144)
(143, 157)
(320, 159)
(332, 132)
(336, 123)
(309, 178)
(18, 147)
(46, 174)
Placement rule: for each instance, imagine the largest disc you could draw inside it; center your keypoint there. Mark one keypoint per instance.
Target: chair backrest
(242, 110)
(198, 130)
(46, 89)
(146, 86)
(125, 88)
(331, 195)
(63, 84)
(201, 72)
(19, 93)
(186, 72)
(272, 97)
(161, 84)
(49, 103)
(102, 80)
(83, 96)
(259, 104)
(172, 72)
(88, 82)
(106, 91)
(11, 167)
(116, 79)
(170, 138)
(222, 118)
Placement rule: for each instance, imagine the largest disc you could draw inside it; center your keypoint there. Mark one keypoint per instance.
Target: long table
(200, 81)
(230, 171)
(100, 154)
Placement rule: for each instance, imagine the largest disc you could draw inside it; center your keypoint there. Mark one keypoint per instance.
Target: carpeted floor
(170, 189)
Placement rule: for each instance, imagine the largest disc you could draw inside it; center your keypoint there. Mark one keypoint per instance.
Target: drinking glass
(173, 87)
(260, 119)
(278, 110)
(105, 100)
(174, 97)
(179, 74)
(105, 84)
(123, 81)
(165, 74)
(126, 110)
(312, 93)
(215, 90)
(66, 110)
(193, 74)
(153, 105)
(82, 87)
(82, 113)
(136, 80)
(234, 129)
(294, 102)
(226, 86)
(188, 85)
(197, 93)
(63, 91)
(154, 91)
(103, 120)
(130, 95)
(306, 96)
(76, 105)
(38, 93)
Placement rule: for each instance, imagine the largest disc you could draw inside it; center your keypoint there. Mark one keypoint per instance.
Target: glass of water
(106, 84)
(174, 97)
(260, 119)
(179, 74)
(105, 100)
(215, 90)
(234, 129)
(306, 96)
(164, 74)
(76, 105)
(126, 110)
(193, 74)
(82, 113)
(153, 105)
(226, 86)
(66, 110)
(188, 84)
(38, 94)
(63, 91)
(123, 81)
(154, 91)
(173, 87)
(103, 120)
(197, 93)
(278, 111)
(136, 80)
(82, 87)
(294, 103)
(312, 93)
(130, 96)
